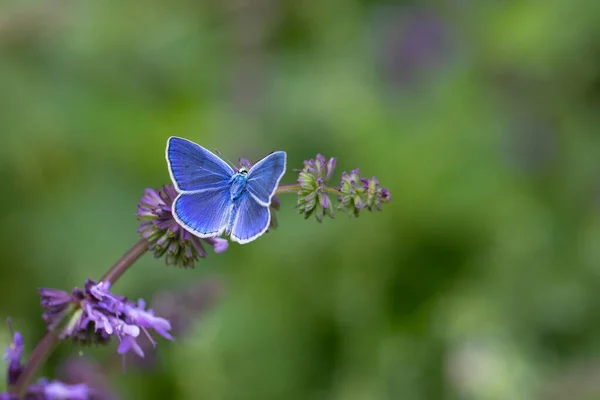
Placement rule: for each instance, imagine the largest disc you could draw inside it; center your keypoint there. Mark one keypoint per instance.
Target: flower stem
(46, 346)
(38, 357)
(287, 189)
(125, 262)
(295, 188)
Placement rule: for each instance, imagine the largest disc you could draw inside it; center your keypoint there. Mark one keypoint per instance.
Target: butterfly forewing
(193, 168)
(264, 177)
(205, 214)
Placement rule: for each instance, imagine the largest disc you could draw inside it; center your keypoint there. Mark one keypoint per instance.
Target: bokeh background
(480, 280)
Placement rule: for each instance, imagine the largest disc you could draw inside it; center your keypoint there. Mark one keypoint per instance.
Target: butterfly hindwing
(205, 213)
(193, 168)
(264, 176)
(251, 220)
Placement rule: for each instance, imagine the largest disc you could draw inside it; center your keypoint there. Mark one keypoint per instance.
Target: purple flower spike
(219, 244)
(128, 343)
(357, 193)
(13, 355)
(312, 197)
(43, 390)
(101, 315)
(164, 235)
(147, 320)
(56, 303)
(55, 390)
(58, 391)
(15, 350)
(244, 163)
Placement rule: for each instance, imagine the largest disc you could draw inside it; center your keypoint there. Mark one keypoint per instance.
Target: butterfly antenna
(217, 152)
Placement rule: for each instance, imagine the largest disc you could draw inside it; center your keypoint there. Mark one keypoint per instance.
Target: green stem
(46, 346)
(287, 189)
(295, 188)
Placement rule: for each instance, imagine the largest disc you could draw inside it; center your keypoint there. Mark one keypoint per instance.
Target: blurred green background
(480, 280)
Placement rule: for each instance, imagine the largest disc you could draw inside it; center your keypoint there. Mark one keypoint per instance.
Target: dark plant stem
(38, 357)
(125, 262)
(46, 346)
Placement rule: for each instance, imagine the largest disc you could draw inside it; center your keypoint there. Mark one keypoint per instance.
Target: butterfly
(214, 198)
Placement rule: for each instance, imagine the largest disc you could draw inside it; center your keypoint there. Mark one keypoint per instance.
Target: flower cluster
(165, 235)
(357, 193)
(52, 390)
(312, 197)
(354, 193)
(44, 389)
(13, 356)
(100, 315)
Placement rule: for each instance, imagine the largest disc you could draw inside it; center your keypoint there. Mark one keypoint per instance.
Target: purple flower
(13, 355)
(56, 303)
(219, 244)
(15, 350)
(357, 193)
(43, 390)
(165, 235)
(55, 390)
(244, 163)
(147, 320)
(312, 197)
(101, 315)
(127, 344)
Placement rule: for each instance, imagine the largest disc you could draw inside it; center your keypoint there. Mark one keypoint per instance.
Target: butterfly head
(245, 165)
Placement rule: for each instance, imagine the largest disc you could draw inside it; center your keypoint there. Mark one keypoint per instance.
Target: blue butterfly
(213, 198)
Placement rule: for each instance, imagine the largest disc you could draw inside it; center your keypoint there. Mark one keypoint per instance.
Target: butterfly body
(237, 189)
(214, 199)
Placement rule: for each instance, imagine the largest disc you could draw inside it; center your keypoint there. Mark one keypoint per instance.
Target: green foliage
(478, 281)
